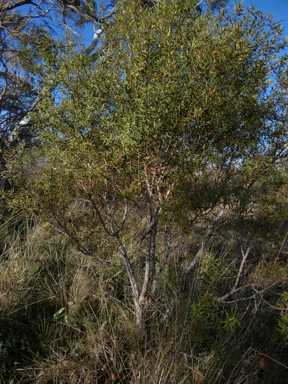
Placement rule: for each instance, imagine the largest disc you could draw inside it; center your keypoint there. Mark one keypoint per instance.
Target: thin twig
(235, 289)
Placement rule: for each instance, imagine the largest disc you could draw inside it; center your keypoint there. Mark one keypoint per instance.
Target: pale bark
(149, 258)
(133, 283)
(23, 126)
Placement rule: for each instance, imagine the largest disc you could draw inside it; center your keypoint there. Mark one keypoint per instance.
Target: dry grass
(67, 319)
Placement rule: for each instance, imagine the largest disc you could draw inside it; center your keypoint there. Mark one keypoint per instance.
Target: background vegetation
(143, 228)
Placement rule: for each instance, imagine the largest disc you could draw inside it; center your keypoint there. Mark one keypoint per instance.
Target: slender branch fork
(235, 289)
(141, 298)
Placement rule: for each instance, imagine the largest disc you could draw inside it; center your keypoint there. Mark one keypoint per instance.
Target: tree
(170, 127)
(26, 25)
(27, 29)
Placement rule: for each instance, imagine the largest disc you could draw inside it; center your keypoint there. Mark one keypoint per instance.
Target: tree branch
(87, 15)
(19, 3)
(235, 289)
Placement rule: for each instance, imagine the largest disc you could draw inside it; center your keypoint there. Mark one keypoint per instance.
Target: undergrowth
(65, 318)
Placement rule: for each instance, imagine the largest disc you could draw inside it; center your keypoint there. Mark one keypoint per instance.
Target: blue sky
(279, 8)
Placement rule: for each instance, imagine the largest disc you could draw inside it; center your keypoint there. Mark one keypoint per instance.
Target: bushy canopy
(176, 96)
(182, 118)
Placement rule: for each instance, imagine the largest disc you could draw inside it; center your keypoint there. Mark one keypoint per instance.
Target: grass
(67, 319)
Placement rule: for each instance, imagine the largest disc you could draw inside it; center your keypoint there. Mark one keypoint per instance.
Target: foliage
(147, 131)
(27, 31)
(21, 41)
(155, 250)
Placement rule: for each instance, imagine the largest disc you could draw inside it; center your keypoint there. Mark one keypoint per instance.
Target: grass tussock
(66, 318)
